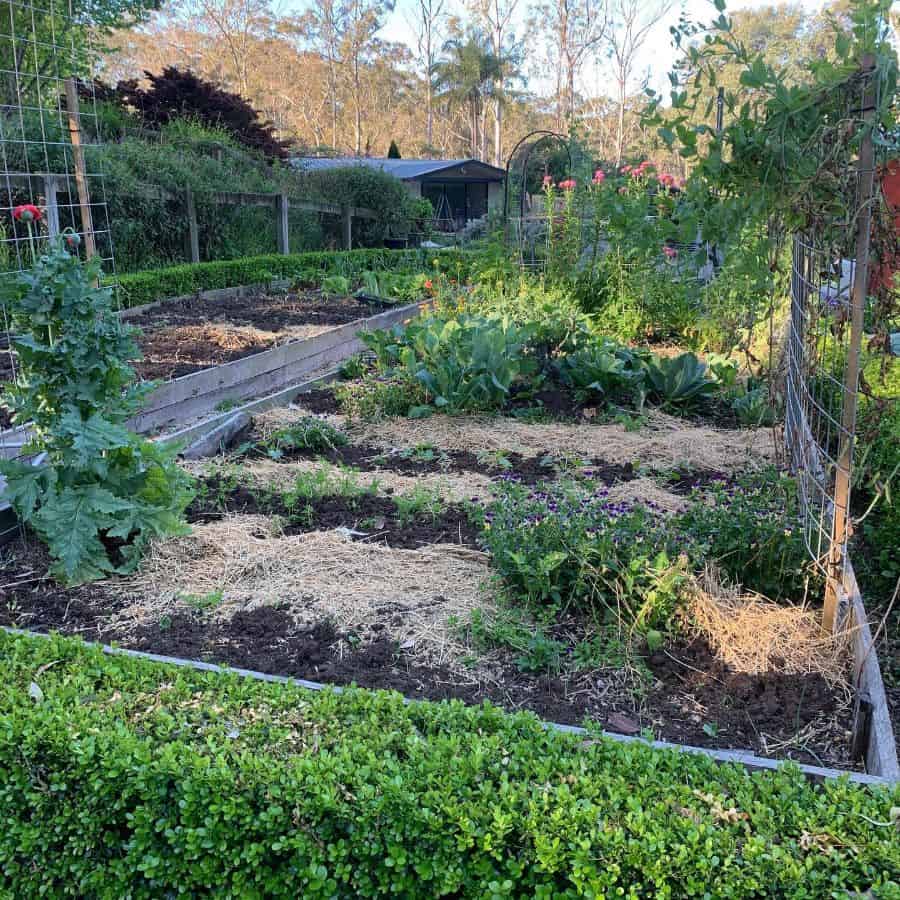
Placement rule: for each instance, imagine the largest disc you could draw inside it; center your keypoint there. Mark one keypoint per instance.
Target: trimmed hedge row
(123, 778)
(138, 288)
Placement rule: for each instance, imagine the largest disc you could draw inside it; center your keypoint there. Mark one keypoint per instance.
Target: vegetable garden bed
(196, 334)
(379, 575)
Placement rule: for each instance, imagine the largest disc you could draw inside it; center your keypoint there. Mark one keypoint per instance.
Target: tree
(495, 17)
(464, 78)
(40, 42)
(428, 26)
(363, 20)
(575, 28)
(238, 24)
(325, 23)
(630, 23)
(176, 94)
(393, 151)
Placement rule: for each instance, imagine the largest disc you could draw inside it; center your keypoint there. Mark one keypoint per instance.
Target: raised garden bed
(198, 333)
(380, 576)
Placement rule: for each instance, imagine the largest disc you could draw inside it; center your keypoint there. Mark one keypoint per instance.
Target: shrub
(177, 94)
(120, 777)
(371, 189)
(102, 491)
(176, 281)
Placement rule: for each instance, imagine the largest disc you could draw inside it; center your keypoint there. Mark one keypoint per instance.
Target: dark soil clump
(321, 401)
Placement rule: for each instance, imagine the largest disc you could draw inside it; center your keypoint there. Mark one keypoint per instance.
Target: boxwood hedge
(138, 288)
(124, 778)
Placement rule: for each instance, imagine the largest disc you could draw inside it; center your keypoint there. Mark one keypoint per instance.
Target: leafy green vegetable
(679, 381)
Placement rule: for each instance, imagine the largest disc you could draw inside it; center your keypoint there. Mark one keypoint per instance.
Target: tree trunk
(498, 136)
(620, 125)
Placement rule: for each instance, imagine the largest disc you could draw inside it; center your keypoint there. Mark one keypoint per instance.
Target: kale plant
(100, 491)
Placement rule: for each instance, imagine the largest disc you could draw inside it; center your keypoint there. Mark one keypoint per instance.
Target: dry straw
(316, 576)
(752, 634)
(664, 442)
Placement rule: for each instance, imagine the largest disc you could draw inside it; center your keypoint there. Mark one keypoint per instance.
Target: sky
(657, 56)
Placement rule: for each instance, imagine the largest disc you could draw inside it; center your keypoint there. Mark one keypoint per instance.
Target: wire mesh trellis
(829, 286)
(48, 134)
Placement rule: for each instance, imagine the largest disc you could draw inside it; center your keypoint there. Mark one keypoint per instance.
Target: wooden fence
(50, 185)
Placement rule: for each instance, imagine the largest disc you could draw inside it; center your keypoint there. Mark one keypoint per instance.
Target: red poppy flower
(27, 212)
(428, 285)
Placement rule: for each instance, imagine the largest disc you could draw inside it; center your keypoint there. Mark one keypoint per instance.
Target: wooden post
(51, 186)
(347, 217)
(281, 224)
(84, 196)
(840, 526)
(190, 207)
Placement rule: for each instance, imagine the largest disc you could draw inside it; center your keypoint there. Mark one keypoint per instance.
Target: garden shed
(459, 189)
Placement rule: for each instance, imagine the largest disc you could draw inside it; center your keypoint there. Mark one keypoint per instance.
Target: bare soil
(182, 338)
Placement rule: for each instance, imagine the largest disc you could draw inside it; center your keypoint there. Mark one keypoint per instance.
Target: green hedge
(123, 778)
(138, 288)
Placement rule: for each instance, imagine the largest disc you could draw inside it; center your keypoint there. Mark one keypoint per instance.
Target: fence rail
(52, 184)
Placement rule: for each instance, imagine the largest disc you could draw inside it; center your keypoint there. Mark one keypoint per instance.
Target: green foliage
(464, 363)
(878, 464)
(601, 370)
(375, 397)
(177, 281)
(753, 409)
(285, 792)
(753, 531)
(370, 189)
(101, 492)
(310, 433)
(338, 285)
(419, 503)
(559, 546)
(678, 381)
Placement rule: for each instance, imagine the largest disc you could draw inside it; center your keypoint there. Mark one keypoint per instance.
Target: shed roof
(404, 169)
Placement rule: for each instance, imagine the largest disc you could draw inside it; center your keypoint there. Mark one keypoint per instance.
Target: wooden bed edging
(191, 396)
(268, 374)
(745, 758)
(872, 718)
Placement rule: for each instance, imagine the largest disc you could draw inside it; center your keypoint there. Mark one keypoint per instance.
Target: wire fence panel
(48, 138)
(816, 368)
(829, 288)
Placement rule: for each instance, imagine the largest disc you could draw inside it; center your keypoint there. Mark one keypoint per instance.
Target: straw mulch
(754, 635)
(664, 442)
(316, 576)
(648, 493)
(453, 487)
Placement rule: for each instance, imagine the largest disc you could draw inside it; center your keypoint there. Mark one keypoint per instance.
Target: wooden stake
(282, 227)
(84, 196)
(840, 527)
(193, 237)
